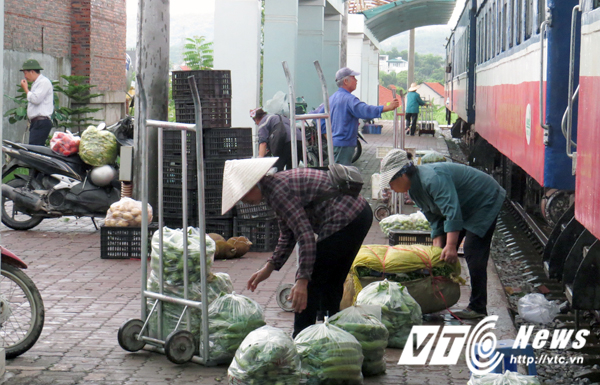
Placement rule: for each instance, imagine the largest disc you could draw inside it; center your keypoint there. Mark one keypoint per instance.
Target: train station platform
(87, 298)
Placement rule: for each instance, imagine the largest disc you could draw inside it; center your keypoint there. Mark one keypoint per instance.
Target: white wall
(363, 56)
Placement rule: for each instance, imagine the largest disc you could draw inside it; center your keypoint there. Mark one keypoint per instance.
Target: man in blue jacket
(346, 109)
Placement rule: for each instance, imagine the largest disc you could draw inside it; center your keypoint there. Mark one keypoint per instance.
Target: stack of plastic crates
(257, 223)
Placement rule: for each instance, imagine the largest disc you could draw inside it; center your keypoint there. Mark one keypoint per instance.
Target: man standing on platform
(40, 102)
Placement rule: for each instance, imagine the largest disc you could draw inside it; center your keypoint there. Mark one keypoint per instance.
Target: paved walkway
(87, 298)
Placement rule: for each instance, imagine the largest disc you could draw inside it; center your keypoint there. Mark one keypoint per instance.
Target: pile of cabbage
(431, 157)
(399, 311)
(506, 378)
(98, 147)
(412, 222)
(266, 356)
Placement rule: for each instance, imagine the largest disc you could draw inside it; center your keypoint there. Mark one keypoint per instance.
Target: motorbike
(21, 307)
(51, 185)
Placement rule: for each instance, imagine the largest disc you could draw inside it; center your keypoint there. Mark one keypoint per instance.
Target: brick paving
(87, 298)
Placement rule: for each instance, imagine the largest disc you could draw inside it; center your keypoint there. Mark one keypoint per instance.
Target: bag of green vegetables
(506, 378)
(370, 332)
(330, 355)
(231, 318)
(399, 311)
(267, 356)
(173, 255)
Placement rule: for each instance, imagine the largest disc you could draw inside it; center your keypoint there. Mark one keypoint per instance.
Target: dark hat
(31, 64)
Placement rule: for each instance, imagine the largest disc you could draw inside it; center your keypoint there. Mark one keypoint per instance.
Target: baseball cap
(344, 72)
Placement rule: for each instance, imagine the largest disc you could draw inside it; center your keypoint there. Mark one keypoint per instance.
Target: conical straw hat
(239, 176)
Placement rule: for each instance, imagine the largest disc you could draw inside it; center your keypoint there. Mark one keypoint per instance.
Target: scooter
(55, 185)
(21, 307)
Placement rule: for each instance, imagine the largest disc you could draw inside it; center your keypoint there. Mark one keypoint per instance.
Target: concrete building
(432, 91)
(388, 65)
(67, 37)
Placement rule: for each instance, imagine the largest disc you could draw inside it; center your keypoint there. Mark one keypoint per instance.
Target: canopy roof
(402, 15)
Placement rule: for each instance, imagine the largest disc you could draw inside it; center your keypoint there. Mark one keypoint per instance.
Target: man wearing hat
(413, 101)
(346, 109)
(40, 102)
(459, 202)
(306, 204)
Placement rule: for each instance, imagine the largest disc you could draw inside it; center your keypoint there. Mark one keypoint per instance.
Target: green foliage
(439, 115)
(198, 53)
(428, 68)
(20, 111)
(77, 116)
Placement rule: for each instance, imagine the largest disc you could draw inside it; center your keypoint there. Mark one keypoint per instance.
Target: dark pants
(411, 121)
(335, 255)
(39, 131)
(477, 253)
(285, 159)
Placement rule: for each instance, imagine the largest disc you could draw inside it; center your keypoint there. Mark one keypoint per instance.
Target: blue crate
(372, 129)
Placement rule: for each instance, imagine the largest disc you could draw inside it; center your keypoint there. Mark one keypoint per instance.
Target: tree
(78, 114)
(198, 53)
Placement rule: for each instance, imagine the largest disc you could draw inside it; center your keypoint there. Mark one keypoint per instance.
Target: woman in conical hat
(413, 101)
(306, 203)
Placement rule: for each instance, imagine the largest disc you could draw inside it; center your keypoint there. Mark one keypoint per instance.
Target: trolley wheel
(128, 333)
(381, 211)
(180, 347)
(283, 292)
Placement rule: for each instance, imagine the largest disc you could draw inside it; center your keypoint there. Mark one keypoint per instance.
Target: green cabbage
(98, 147)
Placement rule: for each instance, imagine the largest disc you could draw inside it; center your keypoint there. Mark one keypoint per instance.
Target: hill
(428, 40)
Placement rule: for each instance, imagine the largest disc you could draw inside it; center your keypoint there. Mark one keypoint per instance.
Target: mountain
(427, 40)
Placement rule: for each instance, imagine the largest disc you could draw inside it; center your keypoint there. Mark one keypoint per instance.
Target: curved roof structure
(403, 15)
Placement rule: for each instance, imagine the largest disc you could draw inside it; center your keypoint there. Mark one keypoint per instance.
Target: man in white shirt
(40, 102)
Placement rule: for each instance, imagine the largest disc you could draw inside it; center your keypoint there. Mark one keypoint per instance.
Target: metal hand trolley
(426, 125)
(179, 346)
(285, 289)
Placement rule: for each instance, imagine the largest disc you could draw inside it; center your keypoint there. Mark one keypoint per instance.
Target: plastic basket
(263, 233)
(372, 129)
(215, 112)
(407, 237)
(123, 242)
(172, 204)
(222, 227)
(213, 173)
(210, 83)
(172, 145)
(228, 143)
(382, 152)
(261, 210)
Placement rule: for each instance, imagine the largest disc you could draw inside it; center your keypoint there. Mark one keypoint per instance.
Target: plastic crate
(210, 83)
(263, 233)
(223, 227)
(228, 143)
(247, 211)
(212, 204)
(172, 145)
(123, 242)
(372, 129)
(213, 173)
(172, 208)
(215, 112)
(407, 237)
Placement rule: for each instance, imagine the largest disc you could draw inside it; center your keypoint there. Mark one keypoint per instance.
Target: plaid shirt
(294, 195)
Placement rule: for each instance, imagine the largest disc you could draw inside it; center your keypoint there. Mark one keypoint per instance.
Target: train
(523, 77)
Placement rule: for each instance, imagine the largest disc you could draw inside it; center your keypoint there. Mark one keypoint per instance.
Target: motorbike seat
(74, 159)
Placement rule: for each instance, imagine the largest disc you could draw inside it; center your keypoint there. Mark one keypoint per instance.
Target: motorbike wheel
(357, 151)
(22, 311)
(12, 216)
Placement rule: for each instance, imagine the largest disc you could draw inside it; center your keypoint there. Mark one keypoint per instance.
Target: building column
(239, 53)
(365, 76)
(280, 44)
(311, 25)
(374, 75)
(332, 45)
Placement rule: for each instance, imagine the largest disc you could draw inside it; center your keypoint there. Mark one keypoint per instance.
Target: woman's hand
(299, 295)
(260, 276)
(449, 254)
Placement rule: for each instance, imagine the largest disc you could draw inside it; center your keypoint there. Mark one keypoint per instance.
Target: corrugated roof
(437, 87)
(403, 15)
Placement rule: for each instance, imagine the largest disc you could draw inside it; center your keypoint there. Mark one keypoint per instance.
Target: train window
(494, 30)
(519, 28)
(503, 31)
(511, 35)
(541, 15)
(596, 4)
(528, 18)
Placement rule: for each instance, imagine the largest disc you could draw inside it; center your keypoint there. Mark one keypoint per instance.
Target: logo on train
(479, 342)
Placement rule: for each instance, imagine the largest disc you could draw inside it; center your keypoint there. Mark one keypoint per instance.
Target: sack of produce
(230, 319)
(64, 143)
(266, 356)
(415, 221)
(399, 311)
(126, 213)
(506, 378)
(432, 157)
(330, 355)
(217, 284)
(98, 147)
(370, 332)
(173, 255)
(433, 283)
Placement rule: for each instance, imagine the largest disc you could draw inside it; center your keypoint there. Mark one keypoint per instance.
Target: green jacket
(455, 197)
(413, 101)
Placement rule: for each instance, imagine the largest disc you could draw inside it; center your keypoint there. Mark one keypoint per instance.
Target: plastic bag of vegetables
(432, 157)
(217, 284)
(415, 221)
(64, 143)
(506, 378)
(126, 213)
(330, 355)
(173, 255)
(266, 356)
(98, 147)
(399, 311)
(370, 332)
(231, 318)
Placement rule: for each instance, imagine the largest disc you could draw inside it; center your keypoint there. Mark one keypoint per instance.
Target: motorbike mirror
(101, 126)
